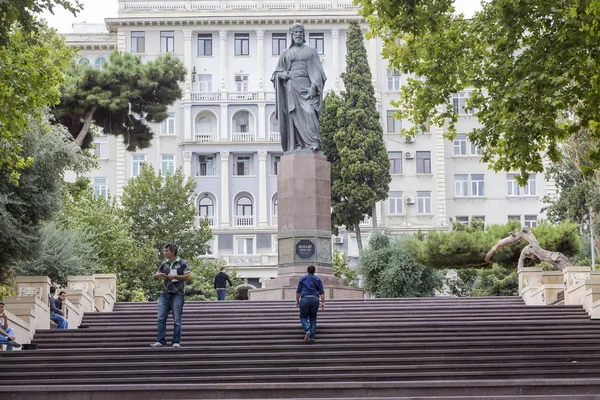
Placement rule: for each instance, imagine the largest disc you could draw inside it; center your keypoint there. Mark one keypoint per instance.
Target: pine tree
(363, 165)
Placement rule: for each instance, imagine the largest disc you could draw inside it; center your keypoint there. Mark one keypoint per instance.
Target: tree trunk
(374, 216)
(86, 126)
(358, 238)
(533, 250)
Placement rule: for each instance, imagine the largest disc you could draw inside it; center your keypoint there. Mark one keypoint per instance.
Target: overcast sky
(95, 11)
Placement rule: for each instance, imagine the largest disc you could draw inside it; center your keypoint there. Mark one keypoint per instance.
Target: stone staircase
(442, 348)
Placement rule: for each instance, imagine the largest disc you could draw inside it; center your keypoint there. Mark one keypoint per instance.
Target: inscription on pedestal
(305, 249)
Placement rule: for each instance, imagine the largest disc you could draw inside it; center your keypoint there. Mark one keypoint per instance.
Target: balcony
(231, 5)
(206, 137)
(211, 220)
(367, 221)
(244, 260)
(242, 96)
(244, 221)
(274, 137)
(243, 137)
(206, 96)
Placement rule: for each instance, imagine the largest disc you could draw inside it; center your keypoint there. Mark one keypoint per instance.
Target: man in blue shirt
(56, 314)
(310, 288)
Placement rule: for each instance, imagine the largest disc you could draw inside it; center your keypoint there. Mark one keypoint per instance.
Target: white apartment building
(223, 133)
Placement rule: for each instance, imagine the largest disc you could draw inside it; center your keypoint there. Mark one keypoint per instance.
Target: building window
(137, 161)
(475, 150)
(514, 218)
(101, 147)
(244, 245)
(243, 207)
(393, 125)
(477, 185)
(84, 61)
(138, 42)
(206, 207)
(212, 248)
(275, 164)
(393, 77)
(168, 125)
(460, 144)
(167, 41)
(205, 44)
(462, 220)
(167, 164)
(241, 83)
(515, 190)
(100, 188)
(395, 162)
(204, 82)
(274, 205)
(99, 63)
(242, 44)
(206, 165)
(461, 185)
(423, 162)
(279, 43)
(459, 102)
(531, 221)
(396, 201)
(242, 165)
(424, 202)
(316, 40)
(478, 218)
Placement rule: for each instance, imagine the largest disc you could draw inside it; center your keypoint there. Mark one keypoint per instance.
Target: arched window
(206, 207)
(243, 207)
(84, 61)
(206, 127)
(274, 206)
(99, 63)
(242, 122)
(274, 124)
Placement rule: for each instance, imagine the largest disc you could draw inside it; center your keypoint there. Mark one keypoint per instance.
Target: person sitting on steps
(56, 313)
(7, 335)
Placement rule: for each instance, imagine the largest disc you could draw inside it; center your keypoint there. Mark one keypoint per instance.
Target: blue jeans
(308, 315)
(221, 294)
(61, 322)
(170, 302)
(4, 339)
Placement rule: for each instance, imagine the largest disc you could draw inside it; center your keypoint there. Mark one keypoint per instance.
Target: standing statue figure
(299, 79)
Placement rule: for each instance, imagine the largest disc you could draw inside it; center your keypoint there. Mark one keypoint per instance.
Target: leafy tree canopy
(532, 67)
(31, 73)
(121, 98)
(467, 246)
(161, 210)
(341, 269)
(388, 270)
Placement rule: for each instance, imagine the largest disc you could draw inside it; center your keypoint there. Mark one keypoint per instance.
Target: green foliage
(496, 281)
(61, 253)
(460, 281)
(23, 13)
(30, 78)
(203, 275)
(388, 270)
(467, 246)
(115, 97)
(38, 196)
(8, 283)
(341, 269)
(529, 64)
(353, 140)
(160, 210)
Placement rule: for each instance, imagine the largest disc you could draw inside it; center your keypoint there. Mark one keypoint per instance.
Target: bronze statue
(299, 79)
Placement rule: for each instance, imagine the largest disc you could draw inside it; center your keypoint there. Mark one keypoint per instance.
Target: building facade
(223, 132)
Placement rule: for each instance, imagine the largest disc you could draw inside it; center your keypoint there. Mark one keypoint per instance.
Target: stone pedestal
(304, 229)
(304, 210)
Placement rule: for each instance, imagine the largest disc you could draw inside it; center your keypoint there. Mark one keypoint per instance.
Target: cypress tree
(363, 164)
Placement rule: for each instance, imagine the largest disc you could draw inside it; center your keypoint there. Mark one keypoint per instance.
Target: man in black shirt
(221, 280)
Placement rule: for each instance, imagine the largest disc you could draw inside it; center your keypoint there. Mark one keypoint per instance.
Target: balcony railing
(243, 96)
(274, 137)
(206, 137)
(244, 221)
(211, 220)
(243, 137)
(195, 5)
(206, 96)
(367, 221)
(250, 259)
